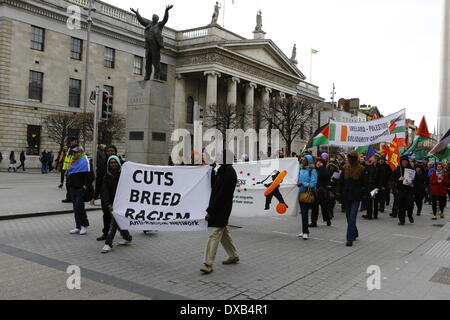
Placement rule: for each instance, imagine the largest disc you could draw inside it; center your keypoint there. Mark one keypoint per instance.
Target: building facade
(43, 63)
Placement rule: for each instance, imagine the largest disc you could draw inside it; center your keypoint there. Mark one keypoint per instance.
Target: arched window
(190, 110)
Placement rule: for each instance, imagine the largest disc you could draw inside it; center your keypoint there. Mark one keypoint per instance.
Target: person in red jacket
(439, 181)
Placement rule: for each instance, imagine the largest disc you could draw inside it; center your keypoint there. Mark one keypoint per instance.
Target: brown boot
(231, 260)
(206, 269)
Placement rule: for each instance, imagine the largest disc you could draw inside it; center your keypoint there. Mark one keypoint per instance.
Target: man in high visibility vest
(73, 143)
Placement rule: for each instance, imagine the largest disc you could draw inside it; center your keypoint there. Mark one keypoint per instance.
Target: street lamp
(90, 8)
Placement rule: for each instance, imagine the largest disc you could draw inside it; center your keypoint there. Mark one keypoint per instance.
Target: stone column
(232, 91)
(180, 102)
(444, 104)
(265, 96)
(211, 87)
(249, 104)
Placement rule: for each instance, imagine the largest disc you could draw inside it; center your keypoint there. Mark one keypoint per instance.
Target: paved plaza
(275, 264)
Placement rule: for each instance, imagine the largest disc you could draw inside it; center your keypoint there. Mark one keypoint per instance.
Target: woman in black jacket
(419, 187)
(109, 188)
(323, 198)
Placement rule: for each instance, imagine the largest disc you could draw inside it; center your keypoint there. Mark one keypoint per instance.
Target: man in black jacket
(22, 160)
(371, 182)
(386, 173)
(405, 192)
(219, 211)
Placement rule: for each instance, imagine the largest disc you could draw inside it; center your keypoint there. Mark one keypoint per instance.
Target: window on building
(163, 72)
(110, 55)
(74, 93)
(37, 38)
(35, 85)
(33, 140)
(76, 51)
(190, 110)
(138, 62)
(111, 94)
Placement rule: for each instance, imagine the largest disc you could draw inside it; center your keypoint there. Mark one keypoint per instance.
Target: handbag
(307, 196)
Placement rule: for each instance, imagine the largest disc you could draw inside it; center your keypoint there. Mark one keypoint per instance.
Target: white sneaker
(83, 230)
(300, 235)
(305, 236)
(124, 242)
(106, 249)
(75, 231)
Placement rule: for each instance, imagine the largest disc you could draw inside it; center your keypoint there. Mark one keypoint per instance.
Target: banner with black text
(162, 198)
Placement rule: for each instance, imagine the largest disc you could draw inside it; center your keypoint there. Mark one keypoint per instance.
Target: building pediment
(264, 52)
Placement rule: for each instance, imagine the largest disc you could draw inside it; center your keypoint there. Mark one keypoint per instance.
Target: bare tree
(224, 117)
(58, 126)
(291, 117)
(108, 130)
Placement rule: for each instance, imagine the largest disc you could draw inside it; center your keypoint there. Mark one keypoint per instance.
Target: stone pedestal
(148, 122)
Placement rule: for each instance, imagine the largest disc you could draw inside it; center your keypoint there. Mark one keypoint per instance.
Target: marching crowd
(363, 185)
(324, 183)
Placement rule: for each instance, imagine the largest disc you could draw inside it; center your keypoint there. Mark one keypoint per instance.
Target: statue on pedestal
(153, 41)
(215, 15)
(258, 27)
(294, 54)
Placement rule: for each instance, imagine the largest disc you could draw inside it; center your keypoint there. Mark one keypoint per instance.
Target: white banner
(249, 199)
(162, 198)
(360, 134)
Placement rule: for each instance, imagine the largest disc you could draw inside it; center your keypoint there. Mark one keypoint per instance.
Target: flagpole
(224, 4)
(310, 68)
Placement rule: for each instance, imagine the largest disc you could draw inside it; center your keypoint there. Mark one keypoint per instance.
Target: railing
(308, 86)
(193, 33)
(80, 2)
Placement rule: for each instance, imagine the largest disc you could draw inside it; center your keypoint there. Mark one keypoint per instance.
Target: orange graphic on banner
(344, 133)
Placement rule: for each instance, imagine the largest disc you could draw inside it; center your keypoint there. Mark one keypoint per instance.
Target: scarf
(79, 164)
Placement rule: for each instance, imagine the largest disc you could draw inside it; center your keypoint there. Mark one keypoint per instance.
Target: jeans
(221, 235)
(351, 211)
(44, 168)
(304, 208)
(106, 219)
(81, 219)
(112, 233)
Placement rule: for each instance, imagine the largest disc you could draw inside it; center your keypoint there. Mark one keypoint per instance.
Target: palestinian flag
(320, 137)
(421, 135)
(442, 149)
(362, 150)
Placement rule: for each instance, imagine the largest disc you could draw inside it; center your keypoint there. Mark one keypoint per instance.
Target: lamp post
(90, 8)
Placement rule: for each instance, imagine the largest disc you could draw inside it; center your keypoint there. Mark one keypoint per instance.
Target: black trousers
(395, 205)
(387, 196)
(112, 233)
(22, 165)
(373, 206)
(152, 57)
(107, 217)
(418, 200)
(405, 205)
(322, 201)
(442, 201)
(63, 175)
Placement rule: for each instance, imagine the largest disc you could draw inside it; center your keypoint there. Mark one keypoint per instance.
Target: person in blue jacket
(307, 179)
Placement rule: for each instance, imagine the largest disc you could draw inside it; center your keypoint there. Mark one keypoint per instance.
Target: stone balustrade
(193, 33)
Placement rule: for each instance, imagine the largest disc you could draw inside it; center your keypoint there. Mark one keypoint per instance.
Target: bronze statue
(153, 41)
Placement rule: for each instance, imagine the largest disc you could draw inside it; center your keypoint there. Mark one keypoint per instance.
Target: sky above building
(385, 52)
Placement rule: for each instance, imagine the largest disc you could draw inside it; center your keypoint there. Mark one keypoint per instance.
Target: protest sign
(253, 178)
(409, 176)
(359, 134)
(162, 198)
